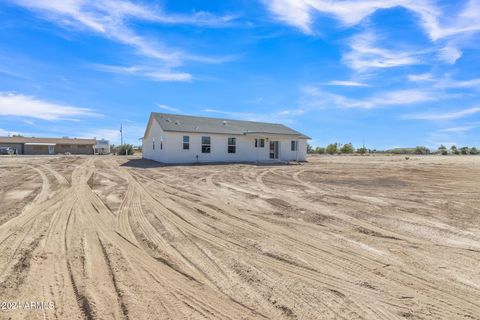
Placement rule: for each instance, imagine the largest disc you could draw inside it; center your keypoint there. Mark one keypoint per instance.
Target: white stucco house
(171, 138)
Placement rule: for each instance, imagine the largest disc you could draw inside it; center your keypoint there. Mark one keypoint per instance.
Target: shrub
(332, 148)
(454, 150)
(464, 150)
(362, 150)
(319, 150)
(443, 150)
(125, 149)
(310, 148)
(421, 150)
(474, 151)
(347, 148)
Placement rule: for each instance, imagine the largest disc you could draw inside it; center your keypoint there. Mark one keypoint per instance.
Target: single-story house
(38, 146)
(102, 147)
(173, 138)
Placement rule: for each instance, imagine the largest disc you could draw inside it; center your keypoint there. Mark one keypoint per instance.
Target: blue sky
(385, 72)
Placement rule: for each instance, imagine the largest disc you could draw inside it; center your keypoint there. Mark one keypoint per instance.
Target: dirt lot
(335, 238)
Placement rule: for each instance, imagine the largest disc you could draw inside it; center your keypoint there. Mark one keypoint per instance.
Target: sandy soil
(335, 238)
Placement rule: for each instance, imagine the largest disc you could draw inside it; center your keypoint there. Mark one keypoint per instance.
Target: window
(232, 145)
(262, 143)
(186, 142)
(294, 145)
(153, 144)
(205, 144)
(161, 145)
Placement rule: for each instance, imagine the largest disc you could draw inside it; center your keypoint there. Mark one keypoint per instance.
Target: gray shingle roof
(183, 123)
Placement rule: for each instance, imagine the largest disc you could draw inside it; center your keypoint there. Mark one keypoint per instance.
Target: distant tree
(464, 150)
(309, 148)
(362, 150)
(474, 151)
(125, 149)
(17, 135)
(320, 150)
(347, 148)
(443, 150)
(454, 150)
(421, 150)
(332, 148)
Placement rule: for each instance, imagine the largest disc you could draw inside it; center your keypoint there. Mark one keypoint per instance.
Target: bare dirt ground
(336, 238)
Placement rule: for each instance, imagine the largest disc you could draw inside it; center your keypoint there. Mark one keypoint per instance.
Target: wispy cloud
(31, 107)
(365, 54)
(449, 54)
(131, 133)
(420, 77)
(444, 82)
(111, 19)
(436, 22)
(347, 83)
(284, 116)
(168, 108)
(162, 75)
(319, 98)
(6, 133)
(442, 116)
(458, 129)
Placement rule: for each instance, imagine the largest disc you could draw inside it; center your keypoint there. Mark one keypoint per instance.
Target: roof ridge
(215, 118)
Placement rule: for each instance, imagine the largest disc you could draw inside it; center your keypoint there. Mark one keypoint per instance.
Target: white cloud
(445, 116)
(6, 133)
(450, 83)
(449, 54)
(111, 18)
(168, 108)
(347, 83)
(365, 54)
(31, 107)
(436, 22)
(458, 129)
(444, 82)
(131, 133)
(320, 98)
(420, 77)
(108, 134)
(147, 72)
(283, 116)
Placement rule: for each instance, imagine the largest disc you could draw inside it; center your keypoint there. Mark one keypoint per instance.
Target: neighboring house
(173, 138)
(37, 146)
(102, 147)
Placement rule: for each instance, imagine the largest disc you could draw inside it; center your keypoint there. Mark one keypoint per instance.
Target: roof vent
(168, 120)
(177, 122)
(225, 122)
(196, 128)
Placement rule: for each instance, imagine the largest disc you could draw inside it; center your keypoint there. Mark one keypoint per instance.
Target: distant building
(38, 146)
(173, 138)
(102, 147)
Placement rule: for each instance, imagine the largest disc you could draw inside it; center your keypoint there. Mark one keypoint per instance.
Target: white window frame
(230, 145)
(209, 144)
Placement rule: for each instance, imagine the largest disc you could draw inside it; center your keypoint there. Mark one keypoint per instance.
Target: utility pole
(121, 134)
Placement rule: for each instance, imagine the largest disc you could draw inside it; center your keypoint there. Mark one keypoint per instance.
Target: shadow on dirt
(145, 164)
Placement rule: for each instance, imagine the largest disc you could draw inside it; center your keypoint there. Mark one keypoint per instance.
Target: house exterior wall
(169, 147)
(74, 148)
(153, 137)
(35, 150)
(59, 148)
(17, 146)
